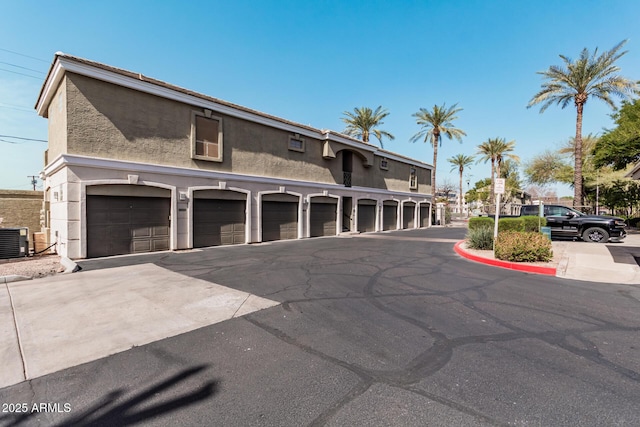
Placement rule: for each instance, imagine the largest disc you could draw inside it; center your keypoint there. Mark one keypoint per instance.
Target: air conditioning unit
(14, 242)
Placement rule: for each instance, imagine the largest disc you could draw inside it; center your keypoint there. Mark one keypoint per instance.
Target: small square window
(384, 164)
(413, 179)
(207, 138)
(296, 144)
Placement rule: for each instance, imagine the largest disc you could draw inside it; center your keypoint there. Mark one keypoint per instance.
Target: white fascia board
(49, 88)
(66, 160)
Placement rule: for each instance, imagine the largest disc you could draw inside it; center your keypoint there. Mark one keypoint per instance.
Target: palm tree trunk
(435, 160)
(577, 173)
(492, 196)
(460, 194)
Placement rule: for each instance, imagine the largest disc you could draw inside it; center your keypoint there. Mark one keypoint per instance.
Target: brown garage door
(424, 215)
(218, 222)
(279, 220)
(118, 225)
(322, 219)
(408, 215)
(390, 217)
(366, 217)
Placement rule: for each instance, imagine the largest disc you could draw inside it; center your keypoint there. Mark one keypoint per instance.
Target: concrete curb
(13, 278)
(536, 269)
(69, 266)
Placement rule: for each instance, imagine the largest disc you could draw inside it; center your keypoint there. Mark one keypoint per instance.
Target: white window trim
(207, 115)
(384, 167)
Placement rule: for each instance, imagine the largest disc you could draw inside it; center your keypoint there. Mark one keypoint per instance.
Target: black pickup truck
(568, 222)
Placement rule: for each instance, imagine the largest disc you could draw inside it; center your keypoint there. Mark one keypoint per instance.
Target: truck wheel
(595, 235)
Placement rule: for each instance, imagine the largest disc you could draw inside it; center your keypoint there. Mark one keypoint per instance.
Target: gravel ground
(34, 267)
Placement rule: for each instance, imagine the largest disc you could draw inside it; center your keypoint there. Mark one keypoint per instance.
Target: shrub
(480, 222)
(510, 224)
(480, 238)
(531, 222)
(523, 247)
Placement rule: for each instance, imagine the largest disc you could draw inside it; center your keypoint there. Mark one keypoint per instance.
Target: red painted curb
(536, 269)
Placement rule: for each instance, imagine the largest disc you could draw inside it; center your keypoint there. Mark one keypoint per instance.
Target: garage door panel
(118, 225)
(424, 216)
(219, 222)
(390, 219)
(116, 217)
(279, 220)
(322, 219)
(408, 213)
(366, 218)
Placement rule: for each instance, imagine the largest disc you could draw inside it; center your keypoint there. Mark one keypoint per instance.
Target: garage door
(322, 219)
(366, 217)
(390, 217)
(424, 215)
(118, 225)
(218, 222)
(279, 220)
(408, 215)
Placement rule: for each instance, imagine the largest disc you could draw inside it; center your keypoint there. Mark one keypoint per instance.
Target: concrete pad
(10, 358)
(67, 320)
(594, 262)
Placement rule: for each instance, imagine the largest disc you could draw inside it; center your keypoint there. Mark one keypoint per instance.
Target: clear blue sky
(310, 61)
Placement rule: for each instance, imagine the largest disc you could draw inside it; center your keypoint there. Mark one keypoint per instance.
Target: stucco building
(137, 165)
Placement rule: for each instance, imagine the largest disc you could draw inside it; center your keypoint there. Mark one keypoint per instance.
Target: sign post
(499, 190)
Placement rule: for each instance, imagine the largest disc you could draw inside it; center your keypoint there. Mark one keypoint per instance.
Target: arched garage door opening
(390, 215)
(279, 217)
(127, 219)
(219, 218)
(323, 216)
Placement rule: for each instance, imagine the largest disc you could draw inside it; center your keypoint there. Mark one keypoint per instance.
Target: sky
(310, 61)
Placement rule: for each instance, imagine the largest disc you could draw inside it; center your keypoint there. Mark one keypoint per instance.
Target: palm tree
(364, 121)
(435, 123)
(496, 150)
(591, 75)
(460, 161)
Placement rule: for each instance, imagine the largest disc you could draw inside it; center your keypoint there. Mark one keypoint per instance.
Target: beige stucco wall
(57, 122)
(113, 122)
(21, 208)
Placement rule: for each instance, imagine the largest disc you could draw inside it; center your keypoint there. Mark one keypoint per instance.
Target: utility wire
(22, 74)
(22, 54)
(24, 68)
(24, 139)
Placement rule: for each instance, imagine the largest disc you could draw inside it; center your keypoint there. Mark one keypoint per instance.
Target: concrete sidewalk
(605, 263)
(51, 324)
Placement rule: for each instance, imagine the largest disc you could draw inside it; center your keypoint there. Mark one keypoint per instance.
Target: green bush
(523, 247)
(531, 222)
(480, 238)
(480, 222)
(510, 224)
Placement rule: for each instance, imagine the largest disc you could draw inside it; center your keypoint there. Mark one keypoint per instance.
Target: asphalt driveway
(380, 329)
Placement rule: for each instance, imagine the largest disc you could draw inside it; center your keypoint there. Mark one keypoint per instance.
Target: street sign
(499, 187)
